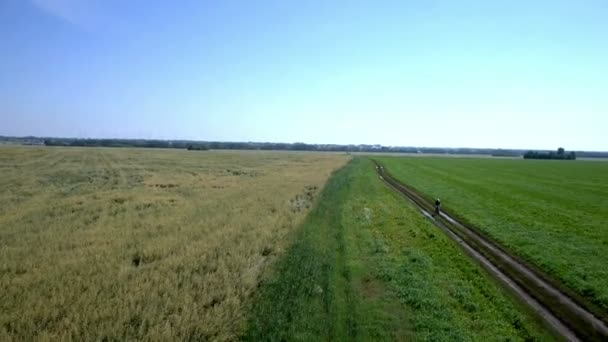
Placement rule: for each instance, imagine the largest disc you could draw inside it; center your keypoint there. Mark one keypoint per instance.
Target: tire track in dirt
(566, 316)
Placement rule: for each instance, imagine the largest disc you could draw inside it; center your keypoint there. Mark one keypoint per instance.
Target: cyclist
(437, 206)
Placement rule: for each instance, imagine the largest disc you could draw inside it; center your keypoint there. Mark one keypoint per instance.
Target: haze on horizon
(512, 74)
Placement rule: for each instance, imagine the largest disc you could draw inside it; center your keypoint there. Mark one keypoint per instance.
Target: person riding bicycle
(437, 206)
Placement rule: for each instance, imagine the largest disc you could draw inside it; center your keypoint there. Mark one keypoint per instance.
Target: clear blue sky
(513, 74)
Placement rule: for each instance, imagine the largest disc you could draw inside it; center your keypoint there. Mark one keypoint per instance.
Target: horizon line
(296, 142)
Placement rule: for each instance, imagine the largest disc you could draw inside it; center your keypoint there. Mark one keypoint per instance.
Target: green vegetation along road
(366, 265)
(551, 213)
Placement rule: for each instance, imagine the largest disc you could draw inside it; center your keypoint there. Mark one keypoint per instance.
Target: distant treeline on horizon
(217, 145)
(560, 155)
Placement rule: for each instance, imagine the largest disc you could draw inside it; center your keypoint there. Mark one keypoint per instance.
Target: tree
(560, 154)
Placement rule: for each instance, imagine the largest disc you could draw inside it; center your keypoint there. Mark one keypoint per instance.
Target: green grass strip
(365, 265)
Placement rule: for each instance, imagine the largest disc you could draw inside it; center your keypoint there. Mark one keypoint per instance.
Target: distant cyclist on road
(437, 206)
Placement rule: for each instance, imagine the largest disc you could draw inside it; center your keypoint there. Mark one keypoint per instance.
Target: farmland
(123, 244)
(366, 265)
(551, 213)
(146, 244)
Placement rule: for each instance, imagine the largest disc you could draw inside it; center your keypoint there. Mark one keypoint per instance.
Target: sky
(497, 74)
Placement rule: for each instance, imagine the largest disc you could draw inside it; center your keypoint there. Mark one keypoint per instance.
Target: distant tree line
(298, 146)
(197, 148)
(222, 145)
(506, 153)
(110, 143)
(560, 154)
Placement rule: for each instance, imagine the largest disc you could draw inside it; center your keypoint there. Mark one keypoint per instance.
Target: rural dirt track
(566, 316)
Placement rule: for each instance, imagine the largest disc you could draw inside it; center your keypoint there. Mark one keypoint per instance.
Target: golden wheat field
(122, 244)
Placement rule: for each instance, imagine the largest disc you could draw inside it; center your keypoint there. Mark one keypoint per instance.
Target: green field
(366, 265)
(551, 213)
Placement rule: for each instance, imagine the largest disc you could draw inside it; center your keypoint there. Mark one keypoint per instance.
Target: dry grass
(143, 244)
